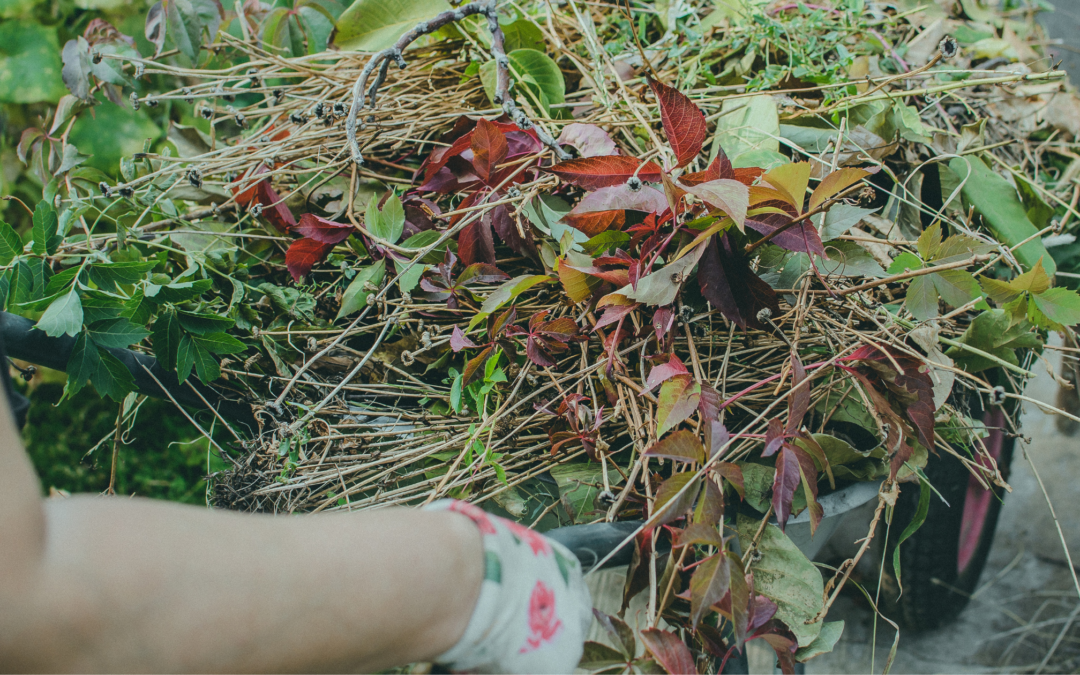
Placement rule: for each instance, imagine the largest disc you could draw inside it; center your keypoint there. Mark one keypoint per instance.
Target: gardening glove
(534, 609)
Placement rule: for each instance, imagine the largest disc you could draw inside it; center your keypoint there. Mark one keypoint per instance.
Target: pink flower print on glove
(543, 621)
(534, 609)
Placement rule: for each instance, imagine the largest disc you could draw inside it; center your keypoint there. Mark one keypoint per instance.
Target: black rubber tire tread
(928, 557)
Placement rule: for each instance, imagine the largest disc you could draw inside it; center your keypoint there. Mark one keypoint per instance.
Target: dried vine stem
(381, 60)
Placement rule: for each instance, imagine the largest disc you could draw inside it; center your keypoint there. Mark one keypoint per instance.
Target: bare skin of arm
(116, 584)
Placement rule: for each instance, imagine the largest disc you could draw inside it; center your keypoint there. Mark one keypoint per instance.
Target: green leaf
(410, 279)
(992, 333)
(579, 485)
(108, 275)
(206, 365)
(912, 527)
(745, 126)
(1060, 305)
(373, 25)
(388, 222)
(1002, 211)
(185, 358)
(533, 71)
(112, 133)
(904, 262)
(63, 317)
(757, 485)
(522, 34)
(609, 240)
(505, 293)
(166, 338)
(44, 231)
(188, 20)
(112, 377)
(678, 399)
(823, 643)
(10, 244)
(118, 333)
(202, 323)
(356, 296)
(841, 218)
(783, 574)
(30, 63)
(81, 365)
(219, 343)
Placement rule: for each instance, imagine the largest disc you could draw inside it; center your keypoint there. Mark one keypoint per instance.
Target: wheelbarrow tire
(940, 564)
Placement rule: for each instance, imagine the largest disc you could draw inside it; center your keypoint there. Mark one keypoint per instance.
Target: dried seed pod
(207, 112)
(135, 103)
(256, 210)
(319, 110)
(106, 191)
(240, 120)
(633, 183)
(997, 395)
(140, 70)
(126, 192)
(339, 109)
(278, 95)
(948, 47)
(95, 57)
(188, 98)
(151, 102)
(194, 177)
(297, 118)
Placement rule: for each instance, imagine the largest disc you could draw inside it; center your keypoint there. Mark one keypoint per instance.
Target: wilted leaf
(323, 230)
(589, 140)
(728, 195)
(303, 254)
(489, 149)
(823, 643)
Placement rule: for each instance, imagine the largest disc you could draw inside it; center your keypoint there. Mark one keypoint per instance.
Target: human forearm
(138, 585)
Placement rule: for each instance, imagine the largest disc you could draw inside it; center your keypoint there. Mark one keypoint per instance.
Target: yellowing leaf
(791, 181)
(678, 400)
(834, 183)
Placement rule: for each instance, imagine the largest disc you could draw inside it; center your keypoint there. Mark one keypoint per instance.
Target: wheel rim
(977, 500)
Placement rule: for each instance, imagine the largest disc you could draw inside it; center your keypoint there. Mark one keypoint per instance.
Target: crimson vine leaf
(729, 284)
(592, 173)
(683, 122)
(665, 371)
(489, 149)
(323, 230)
(669, 651)
(785, 483)
(274, 208)
(911, 386)
(708, 585)
(545, 338)
(303, 254)
(595, 222)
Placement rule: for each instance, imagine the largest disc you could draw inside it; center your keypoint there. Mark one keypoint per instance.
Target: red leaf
(720, 168)
(783, 642)
(799, 398)
(589, 139)
(665, 371)
(785, 483)
(716, 436)
(803, 238)
(678, 400)
(303, 254)
(774, 436)
(669, 651)
(274, 208)
(592, 173)
(683, 121)
(475, 243)
(520, 241)
(728, 283)
(733, 474)
(596, 222)
(911, 386)
(321, 229)
(709, 405)
(474, 365)
(613, 313)
(489, 149)
(459, 341)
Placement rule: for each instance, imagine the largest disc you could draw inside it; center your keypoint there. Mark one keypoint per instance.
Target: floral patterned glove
(534, 609)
